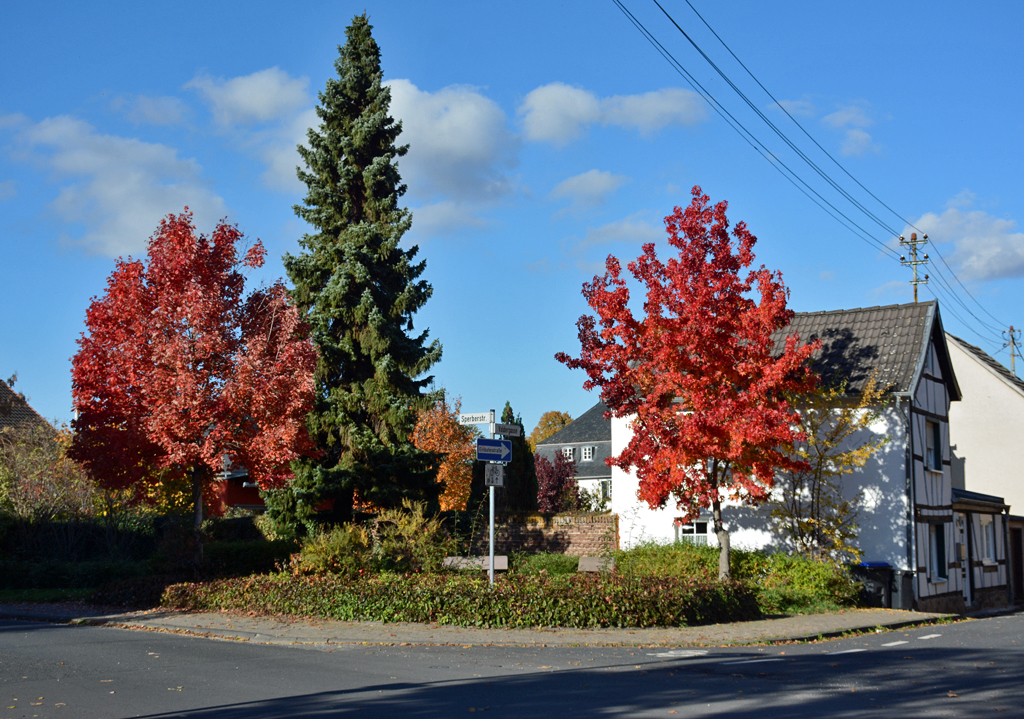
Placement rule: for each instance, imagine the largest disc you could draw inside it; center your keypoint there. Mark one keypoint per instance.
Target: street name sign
(494, 450)
(494, 475)
(475, 418)
(509, 430)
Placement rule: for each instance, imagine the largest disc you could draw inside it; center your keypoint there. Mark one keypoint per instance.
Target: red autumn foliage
(557, 490)
(697, 373)
(179, 371)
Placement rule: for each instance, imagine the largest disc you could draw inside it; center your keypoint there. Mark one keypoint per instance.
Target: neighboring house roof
(591, 426)
(15, 412)
(589, 429)
(978, 500)
(997, 368)
(890, 340)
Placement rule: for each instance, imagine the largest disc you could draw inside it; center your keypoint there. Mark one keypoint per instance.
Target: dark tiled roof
(962, 495)
(15, 412)
(594, 468)
(591, 426)
(985, 359)
(889, 339)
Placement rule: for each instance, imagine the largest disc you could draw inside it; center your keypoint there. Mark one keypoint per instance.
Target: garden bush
(784, 583)
(515, 600)
(544, 562)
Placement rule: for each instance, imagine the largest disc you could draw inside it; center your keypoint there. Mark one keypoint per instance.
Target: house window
(933, 446)
(588, 453)
(606, 490)
(567, 452)
(691, 532)
(937, 547)
(988, 539)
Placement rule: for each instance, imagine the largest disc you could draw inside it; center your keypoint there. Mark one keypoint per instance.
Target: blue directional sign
(494, 450)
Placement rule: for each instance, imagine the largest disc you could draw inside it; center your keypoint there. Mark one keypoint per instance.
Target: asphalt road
(967, 669)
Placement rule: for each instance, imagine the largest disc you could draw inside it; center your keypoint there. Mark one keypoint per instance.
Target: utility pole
(1014, 335)
(912, 243)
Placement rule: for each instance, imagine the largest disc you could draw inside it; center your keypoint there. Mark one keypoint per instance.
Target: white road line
(895, 644)
(846, 651)
(754, 661)
(679, 653)
(929, 636)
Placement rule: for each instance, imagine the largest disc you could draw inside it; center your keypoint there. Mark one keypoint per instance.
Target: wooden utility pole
(912, 243)
(1013, 335)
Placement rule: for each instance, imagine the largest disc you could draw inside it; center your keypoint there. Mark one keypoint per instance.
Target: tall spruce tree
(359, 290)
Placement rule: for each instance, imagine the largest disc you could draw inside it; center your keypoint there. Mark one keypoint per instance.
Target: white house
(909, 519)
(986, 433)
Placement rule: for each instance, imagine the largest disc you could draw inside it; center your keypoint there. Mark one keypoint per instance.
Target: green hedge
(514, 601)
(35, 574)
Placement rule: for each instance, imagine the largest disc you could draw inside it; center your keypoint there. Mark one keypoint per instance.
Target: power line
(772, 159)
(752, 140)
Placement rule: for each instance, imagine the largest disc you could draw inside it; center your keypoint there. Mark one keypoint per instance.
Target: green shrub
(544, 562)
(783, 583)
(515, 600)
(405, 540)
(343, 550)
(239, 558)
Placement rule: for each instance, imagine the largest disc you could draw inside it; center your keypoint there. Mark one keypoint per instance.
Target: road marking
(929, 636)
(679, 653)
(754, 661)
(895, 644)
(846, 651)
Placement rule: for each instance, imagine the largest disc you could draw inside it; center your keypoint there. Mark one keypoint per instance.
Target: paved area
(289, 630)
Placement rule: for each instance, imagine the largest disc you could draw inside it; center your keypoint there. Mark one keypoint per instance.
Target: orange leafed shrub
(438, 430)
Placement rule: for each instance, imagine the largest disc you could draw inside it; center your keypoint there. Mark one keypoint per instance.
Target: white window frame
(988, 540)
(938, 570)
(567, 452)
(933, 446)
(695, 532)
(586, 454)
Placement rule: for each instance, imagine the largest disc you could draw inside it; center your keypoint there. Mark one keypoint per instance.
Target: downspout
(1006, 554)
(970, 556)
(911, 490)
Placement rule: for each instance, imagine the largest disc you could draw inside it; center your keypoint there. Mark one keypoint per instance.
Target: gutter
(911, 527)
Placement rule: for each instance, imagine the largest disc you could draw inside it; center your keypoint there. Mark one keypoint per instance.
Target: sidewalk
(282, 630)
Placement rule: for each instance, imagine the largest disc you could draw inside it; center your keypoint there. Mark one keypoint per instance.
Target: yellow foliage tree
(438, 430)
(811, 511)
(550, 422)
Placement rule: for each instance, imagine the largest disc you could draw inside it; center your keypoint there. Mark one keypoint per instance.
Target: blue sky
(543, 136)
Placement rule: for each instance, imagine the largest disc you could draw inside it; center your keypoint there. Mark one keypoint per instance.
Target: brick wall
(578, 535)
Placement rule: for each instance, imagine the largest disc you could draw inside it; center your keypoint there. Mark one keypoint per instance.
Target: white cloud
(559, 113)
(459, 146)
(445, 218)
(632, 229)
(589, 189)
(654, 110)
(852, 119)
(7, 190)
(278, 149)
(144, 110)
(263, 96)
(849, 116)
(984, 247)
(802, 108)
(120, 187)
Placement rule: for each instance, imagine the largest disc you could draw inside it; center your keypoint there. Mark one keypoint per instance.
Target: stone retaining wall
(577, 535)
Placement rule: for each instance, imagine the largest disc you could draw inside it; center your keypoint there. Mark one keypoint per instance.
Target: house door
(1017, 562)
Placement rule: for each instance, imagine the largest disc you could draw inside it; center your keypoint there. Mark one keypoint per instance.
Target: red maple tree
(179, 372)
(698, 374)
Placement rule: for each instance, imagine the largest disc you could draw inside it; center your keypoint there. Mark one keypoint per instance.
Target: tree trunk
(723, 540)
(197, 505)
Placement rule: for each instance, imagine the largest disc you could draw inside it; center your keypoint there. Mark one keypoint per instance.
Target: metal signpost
(498, 452)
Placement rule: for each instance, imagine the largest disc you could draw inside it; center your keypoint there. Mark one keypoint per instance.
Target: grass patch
(545, 562)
